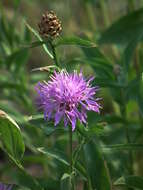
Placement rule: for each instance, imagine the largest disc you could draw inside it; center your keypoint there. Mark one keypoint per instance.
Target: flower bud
(50, 25)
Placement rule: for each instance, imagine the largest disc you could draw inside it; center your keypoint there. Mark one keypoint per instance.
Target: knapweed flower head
(68, 97)
(50, 25)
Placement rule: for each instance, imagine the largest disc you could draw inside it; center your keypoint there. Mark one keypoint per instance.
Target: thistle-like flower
(50, 25)
(68, 97)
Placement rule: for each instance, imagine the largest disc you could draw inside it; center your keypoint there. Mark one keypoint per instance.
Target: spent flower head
(68, 97)
(50, 25)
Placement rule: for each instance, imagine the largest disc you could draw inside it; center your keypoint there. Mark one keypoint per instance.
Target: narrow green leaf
(130, 181)
(107, 83)
(21, 176)
(91, 131)
(99, 65)
(131, 146)
(96, 167)
(66, 182)
(74, 41)
(11, 137)
(95, 53)
(38, 36)
(21, 54)
(34, 44)
(124, 29)
(26, 180)
(129, 50)
(54, 154)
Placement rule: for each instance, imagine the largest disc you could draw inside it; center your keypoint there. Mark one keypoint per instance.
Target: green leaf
(91, 131)
(129, 50)
(96, 54)
(130, 181)
(5, 28)
(54, 154)
(34, 44)
(124, 29)
(113, 119)
(132, 90)
(20, 57)
(11, 137)
(66, 182)
(99, 65)
(74, 41)
(96, 167)
(22, 178)
(38, 36)
(131, 146)
(106, 82)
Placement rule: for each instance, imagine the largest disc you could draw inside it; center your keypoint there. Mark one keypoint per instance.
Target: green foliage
(98, 174)
(130, 181)
(11, 137)
(125, 29)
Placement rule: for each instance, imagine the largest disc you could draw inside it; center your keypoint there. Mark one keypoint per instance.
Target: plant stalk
(71, 158)
(106, 20)
(128, 139)
(54, 53)
(105, 13)
(70, 148)
(90, 15)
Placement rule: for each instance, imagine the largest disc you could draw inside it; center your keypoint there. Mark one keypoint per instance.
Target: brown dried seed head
(50, 25)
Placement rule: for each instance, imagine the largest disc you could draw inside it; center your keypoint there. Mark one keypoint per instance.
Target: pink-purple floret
(68, 97)
(5, 187)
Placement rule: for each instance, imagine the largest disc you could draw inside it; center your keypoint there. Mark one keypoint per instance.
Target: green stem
(90, 15)
(71, 158)
(106, 20)
(54, 53)
(105, 13)
(128, 139)
(70, 148)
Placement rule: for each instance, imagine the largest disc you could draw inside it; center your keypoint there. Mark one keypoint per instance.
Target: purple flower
(5, 187)
(67, 96)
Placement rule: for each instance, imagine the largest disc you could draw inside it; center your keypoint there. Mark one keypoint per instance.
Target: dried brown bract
(50, 25)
